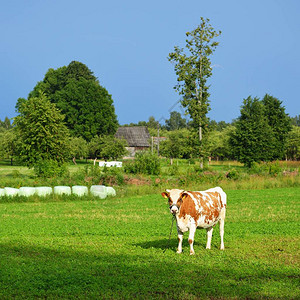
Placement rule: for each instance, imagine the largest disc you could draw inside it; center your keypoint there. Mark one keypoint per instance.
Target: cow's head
(175, 198)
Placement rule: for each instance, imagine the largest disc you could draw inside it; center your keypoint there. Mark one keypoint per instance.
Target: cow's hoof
(179, 252)
(192, 253)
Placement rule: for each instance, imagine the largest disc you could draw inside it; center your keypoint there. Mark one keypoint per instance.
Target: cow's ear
(165, 195)
(183, 195)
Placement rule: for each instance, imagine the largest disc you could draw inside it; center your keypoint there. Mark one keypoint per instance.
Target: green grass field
(113, 249)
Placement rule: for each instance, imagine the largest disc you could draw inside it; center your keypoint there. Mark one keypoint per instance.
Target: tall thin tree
(193, 68)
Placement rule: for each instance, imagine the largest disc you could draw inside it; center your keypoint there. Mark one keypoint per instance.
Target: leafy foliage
(177, 145)
(193, 68)
(43, 135)
(253, 139)
(259, 136)
(107, 147)
(218, 143)
(279, 122)
(88, 107)
(293, 143)
(49, 169)
(78, 147)
(9, 143)
(144, 163)
(175, 122)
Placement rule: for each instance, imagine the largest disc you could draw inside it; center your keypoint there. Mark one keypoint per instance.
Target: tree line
(69, 114)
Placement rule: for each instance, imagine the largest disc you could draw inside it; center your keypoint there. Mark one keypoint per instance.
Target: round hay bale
(2, 192)
(111, 191)
(80, 190)
(26, 191)
(11, 191)
(43, 190)
(62, 190)
(98, 191)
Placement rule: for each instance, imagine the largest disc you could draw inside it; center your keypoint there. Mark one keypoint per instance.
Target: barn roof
(136, 136)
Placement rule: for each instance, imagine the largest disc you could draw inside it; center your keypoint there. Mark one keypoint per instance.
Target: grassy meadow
(87, 248)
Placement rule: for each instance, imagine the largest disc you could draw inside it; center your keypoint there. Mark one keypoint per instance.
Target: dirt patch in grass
(137, 181)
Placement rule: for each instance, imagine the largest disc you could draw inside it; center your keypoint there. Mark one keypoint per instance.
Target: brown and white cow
(197, 210)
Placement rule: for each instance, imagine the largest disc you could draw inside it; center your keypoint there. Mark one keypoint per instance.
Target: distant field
(113, 249)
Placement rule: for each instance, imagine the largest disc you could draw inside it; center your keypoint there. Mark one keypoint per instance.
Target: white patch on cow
(196, 202)
(174, 194)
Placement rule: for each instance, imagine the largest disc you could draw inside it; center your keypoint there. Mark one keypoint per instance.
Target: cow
(199, 209)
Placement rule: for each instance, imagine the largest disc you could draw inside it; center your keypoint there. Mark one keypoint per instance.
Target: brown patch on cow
(190, 241)
(187, 207)
(211, 206)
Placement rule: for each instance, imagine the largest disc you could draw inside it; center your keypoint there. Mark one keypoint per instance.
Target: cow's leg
(222, 221)
(180, 239)
(209, 235)
(191, 238)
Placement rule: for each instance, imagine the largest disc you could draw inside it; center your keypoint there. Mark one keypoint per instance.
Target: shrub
(173, 170)
(50, 168)
(105, 176)
(269, 168)
(144, 163)
(233, 174)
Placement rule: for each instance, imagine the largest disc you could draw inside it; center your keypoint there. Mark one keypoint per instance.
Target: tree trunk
(199, 96)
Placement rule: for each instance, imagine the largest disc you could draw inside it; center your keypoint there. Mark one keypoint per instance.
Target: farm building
(137, 137)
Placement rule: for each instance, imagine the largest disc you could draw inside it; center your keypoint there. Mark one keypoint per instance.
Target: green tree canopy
(177, 145)
(193, 69)
(78, 148)
(253, 140)
(107, 147)
(43, 135)
(293, 144)
(218, 143)
(175, 122)
(9, 144)
(279, 122)
(87, 106)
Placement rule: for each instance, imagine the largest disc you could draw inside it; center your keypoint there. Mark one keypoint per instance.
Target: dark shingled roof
(136, 136)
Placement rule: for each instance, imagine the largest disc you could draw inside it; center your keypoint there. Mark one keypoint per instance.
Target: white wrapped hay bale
(110, 191)
(26, 191)
(43, 190)
(98, 191)
(62, 190)
(2, 192)
(11, 191)
(80, 190)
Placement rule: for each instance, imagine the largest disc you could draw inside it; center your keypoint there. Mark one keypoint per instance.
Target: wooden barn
(137, 137)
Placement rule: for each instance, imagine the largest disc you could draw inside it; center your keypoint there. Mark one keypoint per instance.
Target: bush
(49, 168)
(233, 174)
(144, 163)
(104, 176)
(269, 168)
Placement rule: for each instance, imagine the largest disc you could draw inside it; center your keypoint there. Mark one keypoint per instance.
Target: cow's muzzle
(174, 208)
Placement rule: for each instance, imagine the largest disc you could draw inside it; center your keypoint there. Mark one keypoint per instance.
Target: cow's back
(203, 207)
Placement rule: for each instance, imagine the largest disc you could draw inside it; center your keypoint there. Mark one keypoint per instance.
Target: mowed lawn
(113, 249)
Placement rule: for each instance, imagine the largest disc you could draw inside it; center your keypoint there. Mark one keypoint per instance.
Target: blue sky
(126, 44)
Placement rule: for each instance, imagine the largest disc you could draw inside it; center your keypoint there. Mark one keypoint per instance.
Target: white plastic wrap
(43, 190)
(110, 191)
(26, 191)
(80, 190)
(98, 191)
(11, 191)
(62, 190)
